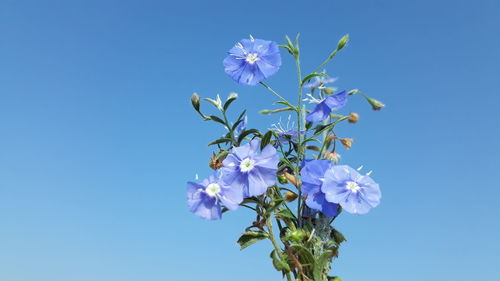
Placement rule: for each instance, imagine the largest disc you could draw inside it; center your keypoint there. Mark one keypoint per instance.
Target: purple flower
(320, 82)
(248, 168)
(313, 176)
(205, 198)
(325, 107)
(251, 61)
(356, 193)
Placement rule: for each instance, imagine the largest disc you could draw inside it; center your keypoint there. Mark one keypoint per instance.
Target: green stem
(231, 133)
(299, 138)
(277, 95)
(269, 224)
(330, 57)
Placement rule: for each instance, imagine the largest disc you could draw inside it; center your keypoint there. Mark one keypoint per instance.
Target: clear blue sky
(97, 135)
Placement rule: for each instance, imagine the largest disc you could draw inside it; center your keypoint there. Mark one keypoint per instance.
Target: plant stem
(299, 138)
(269, 224)
(276, 94)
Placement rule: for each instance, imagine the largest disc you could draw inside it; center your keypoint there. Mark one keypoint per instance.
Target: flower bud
(216, 161)
(347, 143)
(343, 41)
(296, 235)
(195, 101)
(376, 105)
(282, 179)
(336, 278)
(292, 179)
(333, 156)
(290, 196)
(353, 117)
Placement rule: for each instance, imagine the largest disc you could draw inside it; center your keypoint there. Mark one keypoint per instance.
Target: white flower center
(353, 186)
(252, 58)
(247, 165)
(212, 189)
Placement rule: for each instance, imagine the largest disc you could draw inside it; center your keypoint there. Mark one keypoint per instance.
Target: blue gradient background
(97, 135)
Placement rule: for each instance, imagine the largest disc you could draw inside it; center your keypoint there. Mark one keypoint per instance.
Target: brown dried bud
(347, 143)
(292, 179)
(353, 117)
(290, 196)
(334, 156)
(216, 161)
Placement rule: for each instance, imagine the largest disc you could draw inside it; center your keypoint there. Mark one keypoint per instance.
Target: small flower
(251, 61)
(353, 117)
(249, 168)
(325, 107)
(313, 176)
(286, 133)
(205, 199)
(319, 82)
(356, 193)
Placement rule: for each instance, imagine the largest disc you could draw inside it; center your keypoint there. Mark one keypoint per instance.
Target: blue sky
(98, 136)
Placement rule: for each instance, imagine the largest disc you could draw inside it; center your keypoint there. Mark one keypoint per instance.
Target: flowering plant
(290, 177)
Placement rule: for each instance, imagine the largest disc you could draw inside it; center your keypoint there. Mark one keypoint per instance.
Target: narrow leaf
(250, 237)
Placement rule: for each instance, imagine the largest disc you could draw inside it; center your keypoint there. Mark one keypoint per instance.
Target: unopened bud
(195, 101)
(290, 196)
(343, 41)
(292, 179)
(296, 235)
(376, 105)
(347, 143)
(334, 156)
(282, 179)
(336, 278)
(216, 161)
(353, 117)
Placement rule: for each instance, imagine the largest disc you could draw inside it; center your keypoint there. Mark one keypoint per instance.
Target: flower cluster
(288, 173)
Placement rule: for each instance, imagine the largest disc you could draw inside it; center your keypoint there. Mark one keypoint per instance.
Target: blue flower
(248, 168)
(289, 135)
(326, 186)
(251, 61)
(356, 193)
(325, 107)
(313, 176)
(319, 82)
(205, 199)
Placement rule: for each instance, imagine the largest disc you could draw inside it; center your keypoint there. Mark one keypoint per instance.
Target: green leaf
(217, 119)
(278, 263)
(312, 75)
(285, 213)
(250, 237)
(322, 265)
(337, 236)
(306, 258)
(242, 114)
(219, 141)
(322, 128)
(276, 204)
(242, 136)
(232, 97)
(266, 139)
(236, 125)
